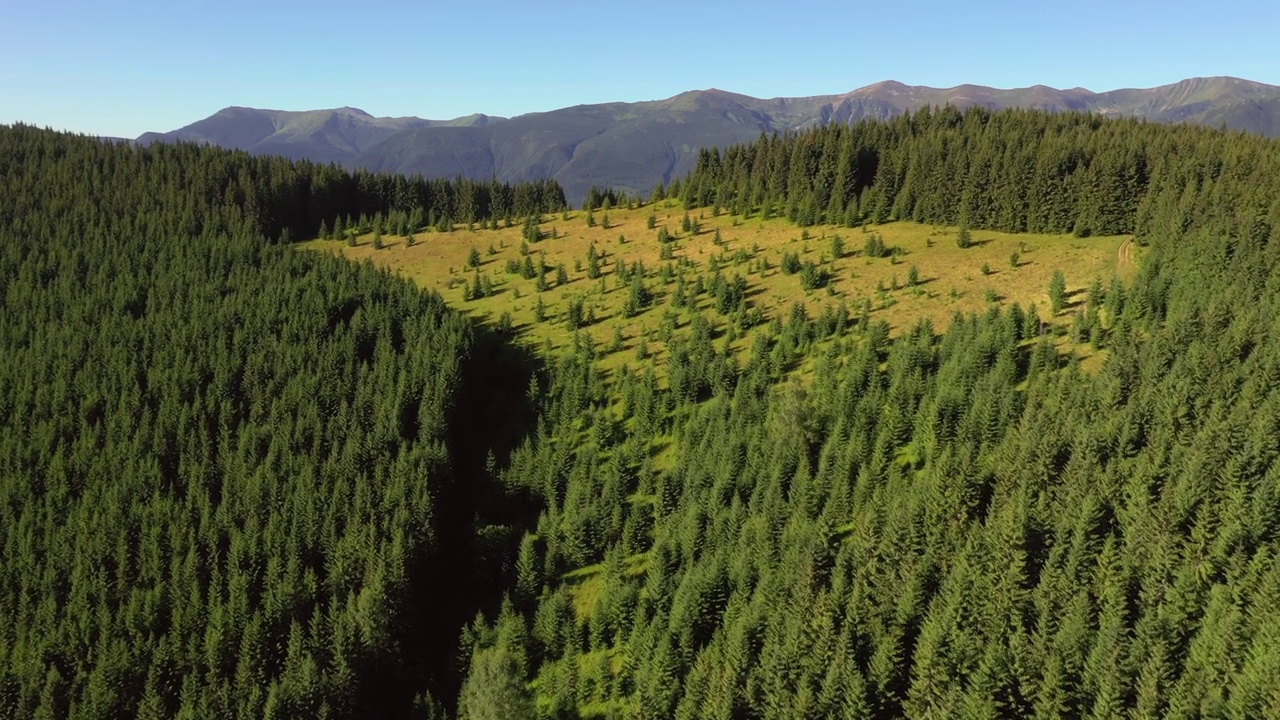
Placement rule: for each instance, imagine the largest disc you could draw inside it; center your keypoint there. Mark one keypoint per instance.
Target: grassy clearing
(950, 279)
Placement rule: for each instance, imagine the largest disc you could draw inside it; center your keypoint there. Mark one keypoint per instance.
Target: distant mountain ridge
(323, 135)
(631, 146)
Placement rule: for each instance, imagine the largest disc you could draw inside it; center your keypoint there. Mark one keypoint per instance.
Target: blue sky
(121, 68)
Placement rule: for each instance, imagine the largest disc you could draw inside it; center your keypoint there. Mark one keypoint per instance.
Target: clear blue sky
(120, 68)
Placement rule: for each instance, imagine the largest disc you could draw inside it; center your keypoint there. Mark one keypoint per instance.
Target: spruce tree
(1057, 292)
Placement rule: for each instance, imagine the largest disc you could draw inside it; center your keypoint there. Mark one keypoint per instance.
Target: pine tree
(1057, 292)
(593, 262)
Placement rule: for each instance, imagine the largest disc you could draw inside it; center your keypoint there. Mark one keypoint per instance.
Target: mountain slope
(631, 146)
(321, 135)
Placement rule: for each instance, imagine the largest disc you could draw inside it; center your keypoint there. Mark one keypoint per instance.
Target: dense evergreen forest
(946, 525)
(242, 481)
(1016, 170)
(235, 480)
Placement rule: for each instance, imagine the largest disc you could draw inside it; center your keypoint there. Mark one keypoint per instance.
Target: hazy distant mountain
(633, 145)
(322, 135)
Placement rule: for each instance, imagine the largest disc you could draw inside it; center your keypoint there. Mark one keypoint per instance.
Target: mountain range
(631, 146)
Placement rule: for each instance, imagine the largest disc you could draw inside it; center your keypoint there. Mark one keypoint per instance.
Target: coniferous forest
(237, 480)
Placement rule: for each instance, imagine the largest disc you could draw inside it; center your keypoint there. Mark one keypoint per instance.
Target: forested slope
(1014, 170)
(226, 468)
(954, 525)
(242, 481)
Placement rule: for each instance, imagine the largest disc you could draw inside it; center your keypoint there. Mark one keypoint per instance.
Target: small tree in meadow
(1057, 292)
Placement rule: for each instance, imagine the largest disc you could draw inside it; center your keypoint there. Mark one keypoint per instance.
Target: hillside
(246, 478)
(965, 523)
(226, 466)
(320, 135)
(632, 146)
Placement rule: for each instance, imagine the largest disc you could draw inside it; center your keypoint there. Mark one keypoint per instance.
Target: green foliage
(730, 295)
(658, 193)
(1008, 170)
(874, 246)
(216, 504)
(530, 231)
(638, 296)
(813, 277)
(963, 524)
(1057, 292)
(496, 687)
(228, 465)
(593, 262)
(576, 312)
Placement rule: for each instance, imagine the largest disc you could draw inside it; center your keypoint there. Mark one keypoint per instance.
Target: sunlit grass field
(997, 269)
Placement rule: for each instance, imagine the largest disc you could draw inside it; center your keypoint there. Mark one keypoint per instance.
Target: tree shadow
(477, 528)
(1074, 299)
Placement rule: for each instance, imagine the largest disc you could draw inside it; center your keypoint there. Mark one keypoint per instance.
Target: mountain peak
(348, 110)
(887, 86)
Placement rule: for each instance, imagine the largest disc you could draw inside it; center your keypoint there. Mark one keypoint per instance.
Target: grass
(950, 279)
(588, 584)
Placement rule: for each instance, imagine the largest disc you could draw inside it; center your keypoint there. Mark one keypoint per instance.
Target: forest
(233, 474)
(238, 480)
